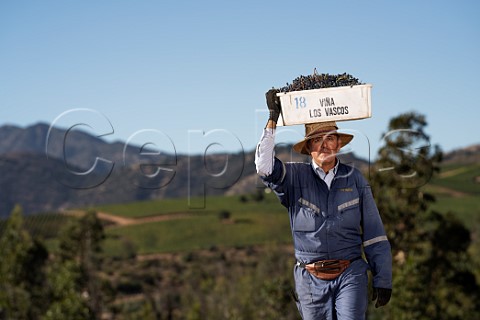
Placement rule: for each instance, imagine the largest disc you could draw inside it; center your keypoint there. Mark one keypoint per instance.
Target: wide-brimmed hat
(318, 129)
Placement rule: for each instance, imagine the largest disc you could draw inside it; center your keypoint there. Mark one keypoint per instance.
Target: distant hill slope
(80, 148)
(40, 184)
(470, 154)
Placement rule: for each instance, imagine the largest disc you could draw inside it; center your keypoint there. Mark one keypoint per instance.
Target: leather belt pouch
(327, 269)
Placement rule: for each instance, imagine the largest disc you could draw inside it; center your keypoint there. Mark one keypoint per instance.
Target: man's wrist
(272, 124)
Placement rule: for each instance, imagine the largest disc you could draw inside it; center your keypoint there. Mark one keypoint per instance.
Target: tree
(432, 270)
(67, 301)
(405, 164)
(22, 276)
(76, 284)
(15, 242)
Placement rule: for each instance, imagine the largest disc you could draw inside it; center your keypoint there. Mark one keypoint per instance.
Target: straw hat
(314, 130)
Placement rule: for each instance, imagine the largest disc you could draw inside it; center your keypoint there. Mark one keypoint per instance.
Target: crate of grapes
(324, 97)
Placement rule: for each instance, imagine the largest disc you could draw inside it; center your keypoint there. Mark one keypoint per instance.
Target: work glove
(273, 104)
(382, 296)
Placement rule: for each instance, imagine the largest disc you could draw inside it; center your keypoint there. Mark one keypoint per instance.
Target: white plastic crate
(329, 104)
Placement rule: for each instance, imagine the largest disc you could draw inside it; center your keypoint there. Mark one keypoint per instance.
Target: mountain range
(46, 169)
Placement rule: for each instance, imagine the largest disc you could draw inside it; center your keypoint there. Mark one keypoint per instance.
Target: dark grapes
(319, 81)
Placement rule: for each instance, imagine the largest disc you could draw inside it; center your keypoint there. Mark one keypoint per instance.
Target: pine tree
(22, 271)
(15, 243)
(432, 270)
(404, 165)
(76, 285)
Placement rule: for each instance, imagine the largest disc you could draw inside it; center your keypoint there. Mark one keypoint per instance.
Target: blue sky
(196, 72)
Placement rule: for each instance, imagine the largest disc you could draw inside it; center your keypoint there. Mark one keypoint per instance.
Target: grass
(250, 222)
(459, 178)
(201, 232)
(456, 191)
(142, 209)
(467, 208)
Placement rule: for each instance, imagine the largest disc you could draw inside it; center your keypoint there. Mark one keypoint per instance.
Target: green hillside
(232, 221)
(171, 225)
(461, 178)
(201, 232)
(253, 220)
(457, 189)
(141, 209)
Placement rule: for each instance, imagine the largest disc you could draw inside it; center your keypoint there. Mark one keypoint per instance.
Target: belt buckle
(326, 263)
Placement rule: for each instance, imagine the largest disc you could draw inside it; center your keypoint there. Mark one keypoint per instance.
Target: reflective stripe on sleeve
(374, 240)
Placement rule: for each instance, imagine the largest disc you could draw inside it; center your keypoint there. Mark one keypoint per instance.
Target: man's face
(323, 149)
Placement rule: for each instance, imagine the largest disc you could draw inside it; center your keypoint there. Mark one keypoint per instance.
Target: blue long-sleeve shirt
(332, 223)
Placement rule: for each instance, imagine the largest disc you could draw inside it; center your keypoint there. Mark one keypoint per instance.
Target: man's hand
(273, 104)
(382, 296)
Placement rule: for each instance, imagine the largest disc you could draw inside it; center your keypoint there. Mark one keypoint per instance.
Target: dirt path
(453, 172)
(123, 221)
(452, 192)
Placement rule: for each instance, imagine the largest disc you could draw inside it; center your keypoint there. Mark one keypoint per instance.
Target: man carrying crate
(334, 219)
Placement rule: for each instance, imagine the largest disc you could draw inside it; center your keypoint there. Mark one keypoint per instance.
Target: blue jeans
(344, 298)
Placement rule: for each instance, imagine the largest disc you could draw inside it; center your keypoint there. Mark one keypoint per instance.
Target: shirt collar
(318, 169)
